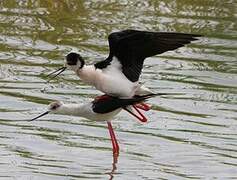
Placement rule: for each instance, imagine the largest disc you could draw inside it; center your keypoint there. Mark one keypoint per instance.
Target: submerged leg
(113, 139)
(141, 117)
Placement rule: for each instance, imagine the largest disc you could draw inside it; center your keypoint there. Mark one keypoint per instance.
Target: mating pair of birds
(118, 76)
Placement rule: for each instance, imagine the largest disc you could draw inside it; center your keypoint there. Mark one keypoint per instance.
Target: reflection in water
(114, 167)
(191, 133)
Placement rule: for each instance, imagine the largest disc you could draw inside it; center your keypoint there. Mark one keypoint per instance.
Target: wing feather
(132, 47)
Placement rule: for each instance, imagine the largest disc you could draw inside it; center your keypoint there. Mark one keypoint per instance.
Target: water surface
(192, 134)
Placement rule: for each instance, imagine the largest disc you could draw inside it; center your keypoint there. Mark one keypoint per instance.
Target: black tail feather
(110, 104)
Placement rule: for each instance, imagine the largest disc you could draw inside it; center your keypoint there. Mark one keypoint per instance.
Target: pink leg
(141, 117)
(113, 138)
(143, 106)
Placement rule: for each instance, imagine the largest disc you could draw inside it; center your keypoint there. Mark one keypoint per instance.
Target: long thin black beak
(58, 71)
(47, 112)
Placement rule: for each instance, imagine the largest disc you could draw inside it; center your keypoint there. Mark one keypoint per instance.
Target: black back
(131, 47)
(109, 104)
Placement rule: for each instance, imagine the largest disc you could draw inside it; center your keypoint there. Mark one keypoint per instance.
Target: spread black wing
(110, 103)
(131, 47)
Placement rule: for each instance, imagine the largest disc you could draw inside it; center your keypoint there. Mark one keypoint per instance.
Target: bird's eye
(54, 107)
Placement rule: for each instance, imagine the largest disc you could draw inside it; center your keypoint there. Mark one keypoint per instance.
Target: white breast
(102, 117)
(110, 80)
(85, 110)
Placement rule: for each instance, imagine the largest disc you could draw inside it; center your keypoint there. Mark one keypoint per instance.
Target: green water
(190, 135)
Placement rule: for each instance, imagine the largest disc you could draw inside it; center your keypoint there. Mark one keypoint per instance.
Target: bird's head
(74, 61)
(53, 107)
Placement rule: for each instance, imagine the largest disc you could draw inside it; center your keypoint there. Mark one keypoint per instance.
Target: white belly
(110, 80)
(101, 117)
(117, 85)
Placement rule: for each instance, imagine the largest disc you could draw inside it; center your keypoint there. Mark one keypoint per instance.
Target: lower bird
(102, 108)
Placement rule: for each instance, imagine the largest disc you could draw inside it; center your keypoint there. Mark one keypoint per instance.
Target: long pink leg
(113, 138)
(141, 117)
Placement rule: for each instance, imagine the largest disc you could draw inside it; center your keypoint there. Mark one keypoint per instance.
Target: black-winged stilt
(118, 75)
(102, 108)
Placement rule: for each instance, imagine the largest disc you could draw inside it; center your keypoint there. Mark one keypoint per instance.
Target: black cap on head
(73, 58)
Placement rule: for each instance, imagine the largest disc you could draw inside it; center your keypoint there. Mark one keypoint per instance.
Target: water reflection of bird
(118, 75)
(102, 108)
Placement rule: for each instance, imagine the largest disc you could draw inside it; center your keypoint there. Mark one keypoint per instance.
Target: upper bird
(118, 75)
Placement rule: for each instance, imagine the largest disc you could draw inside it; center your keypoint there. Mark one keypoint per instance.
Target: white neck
(87, 74)
(74, 109)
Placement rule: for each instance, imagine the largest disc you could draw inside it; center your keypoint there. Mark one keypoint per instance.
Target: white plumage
(110, 80)
(83, 110)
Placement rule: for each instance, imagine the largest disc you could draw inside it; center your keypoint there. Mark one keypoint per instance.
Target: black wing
(131, 47)
(110, 103)
(113, 39)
